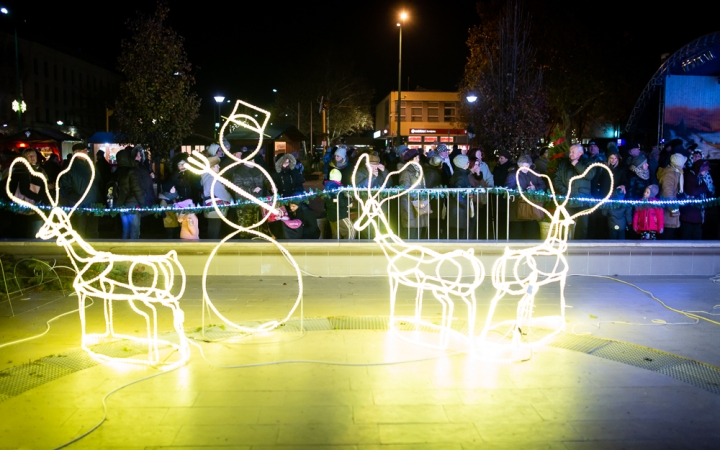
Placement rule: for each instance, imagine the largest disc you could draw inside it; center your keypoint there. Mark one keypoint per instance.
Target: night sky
(245, 49)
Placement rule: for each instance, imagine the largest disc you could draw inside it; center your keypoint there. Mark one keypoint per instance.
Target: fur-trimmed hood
(279, 163)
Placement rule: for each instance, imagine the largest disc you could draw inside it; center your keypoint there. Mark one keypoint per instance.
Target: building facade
(426, 119)
(61, 91)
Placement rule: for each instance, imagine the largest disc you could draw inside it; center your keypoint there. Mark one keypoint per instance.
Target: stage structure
(95, 279)
(688, 85)
(198, 164)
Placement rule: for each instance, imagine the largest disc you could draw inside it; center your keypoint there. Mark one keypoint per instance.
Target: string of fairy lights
(434, 193)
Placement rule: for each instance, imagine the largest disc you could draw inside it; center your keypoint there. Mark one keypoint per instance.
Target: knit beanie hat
(409, 154)
(654, 189)
(460, 161)
(638, 161)
(335, 175)
(342, 151)
(436, 161)
(212, 149)
(504, 153)
(678, 160)
(612, 149)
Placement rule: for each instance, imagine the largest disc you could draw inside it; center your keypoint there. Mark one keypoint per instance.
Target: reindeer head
(57, 222)
(562, 219)
(371, 207)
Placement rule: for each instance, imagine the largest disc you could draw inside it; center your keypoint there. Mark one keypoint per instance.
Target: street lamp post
(471, 98)
(218, 99)
(18, 104)
(403, 17)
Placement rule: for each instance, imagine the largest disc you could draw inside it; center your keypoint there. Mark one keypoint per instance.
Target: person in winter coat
(638, 177)
(222, 198)
(521, 227)
(502, 168)
(671, 183)
(310, 229)
(480, 175)
(377, 173)
(73, 186)
(186, 183)
(574, 164)
(32, 188)
(288, 180)
(433, 179)
(619, 172)
(337, 207)
(248, 177)
(692, 217)
(130, 193)
(413, 225)
(460, 206)
(648, 222)
(341, 162)
(618, 216)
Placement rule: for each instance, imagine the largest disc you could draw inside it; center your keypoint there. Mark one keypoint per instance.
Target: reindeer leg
(393, 298)
(153, 344)
(472, 311)
(108, 310)
(419, 300)
(147, 325)
(447, 313)
(81, 309)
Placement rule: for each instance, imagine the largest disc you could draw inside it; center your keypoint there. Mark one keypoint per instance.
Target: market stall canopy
(45, 140)
(105, 137)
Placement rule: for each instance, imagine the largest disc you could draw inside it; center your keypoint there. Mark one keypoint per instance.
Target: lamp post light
(403, 17)
(471, 99)
(18, 104)
(218, 99)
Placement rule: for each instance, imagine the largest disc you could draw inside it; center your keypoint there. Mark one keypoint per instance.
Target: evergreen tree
(155, 106)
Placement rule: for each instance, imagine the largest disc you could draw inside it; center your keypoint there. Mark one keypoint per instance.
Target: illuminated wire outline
(198, 164)
(57, 225)
(555, 245)
(421, 259)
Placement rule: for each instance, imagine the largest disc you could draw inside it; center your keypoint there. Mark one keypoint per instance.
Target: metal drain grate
(695, 373)
(17, 380)
(687, 370)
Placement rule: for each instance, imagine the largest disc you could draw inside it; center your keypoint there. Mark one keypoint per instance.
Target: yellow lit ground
(559, 399)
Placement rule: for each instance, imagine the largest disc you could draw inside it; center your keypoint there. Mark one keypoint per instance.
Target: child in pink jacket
(648, 222)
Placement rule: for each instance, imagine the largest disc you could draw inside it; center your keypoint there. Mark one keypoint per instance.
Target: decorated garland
(441, 192)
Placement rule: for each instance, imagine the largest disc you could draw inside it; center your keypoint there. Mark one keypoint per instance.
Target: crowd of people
(671, 172)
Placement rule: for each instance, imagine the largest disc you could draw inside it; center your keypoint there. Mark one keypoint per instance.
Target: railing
(484, 214)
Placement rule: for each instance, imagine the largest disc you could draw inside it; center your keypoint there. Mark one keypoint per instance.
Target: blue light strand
(432, 192)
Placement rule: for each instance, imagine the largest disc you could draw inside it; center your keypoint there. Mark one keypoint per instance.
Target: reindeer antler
(74, 158)
(582, 175)
(13, 171)
(403, 191)
(522, 194)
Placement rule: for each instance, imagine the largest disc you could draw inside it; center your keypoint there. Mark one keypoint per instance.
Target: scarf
(707, 179)
(643, 174)
(681, 179)
(449, 164)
